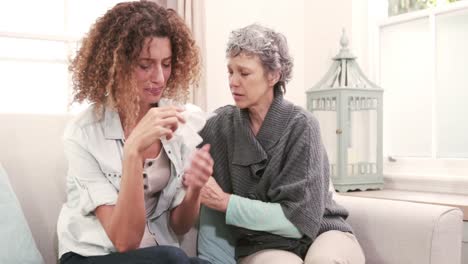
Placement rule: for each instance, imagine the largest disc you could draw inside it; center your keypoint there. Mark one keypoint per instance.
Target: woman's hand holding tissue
(158, 122)
(196, 175)
(198, 166)
(199, 170)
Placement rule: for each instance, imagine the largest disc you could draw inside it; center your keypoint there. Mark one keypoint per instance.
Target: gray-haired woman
(268, 199)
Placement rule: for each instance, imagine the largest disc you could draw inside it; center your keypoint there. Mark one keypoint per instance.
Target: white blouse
(93, 145)
(156, 174)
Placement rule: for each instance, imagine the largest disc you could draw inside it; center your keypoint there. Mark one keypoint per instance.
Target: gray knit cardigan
(285, 163)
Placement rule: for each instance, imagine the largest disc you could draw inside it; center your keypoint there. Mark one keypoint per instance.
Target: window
(397, 7)
(422, 67)
(35, 48)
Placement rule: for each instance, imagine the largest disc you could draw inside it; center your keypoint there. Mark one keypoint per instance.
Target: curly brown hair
(103, 66)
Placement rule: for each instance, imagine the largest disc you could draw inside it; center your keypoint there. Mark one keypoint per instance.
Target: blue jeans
(149, 255)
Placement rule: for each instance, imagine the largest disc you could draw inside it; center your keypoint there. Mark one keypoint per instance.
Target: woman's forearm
(247, 213)
(125, 222)
(260, 216)
(184, 216)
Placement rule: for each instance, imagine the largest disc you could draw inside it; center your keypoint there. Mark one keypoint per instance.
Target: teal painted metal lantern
(349, 109)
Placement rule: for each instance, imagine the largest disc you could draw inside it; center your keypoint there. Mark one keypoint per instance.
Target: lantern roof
(345, 72)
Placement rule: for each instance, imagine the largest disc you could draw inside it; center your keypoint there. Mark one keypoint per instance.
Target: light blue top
(94, 149)
(215, 242)
(260, 216)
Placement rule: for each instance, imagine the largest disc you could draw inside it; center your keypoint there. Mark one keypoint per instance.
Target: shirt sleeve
(185, 156)
(178, 197)
(260, 216)
(83, 169)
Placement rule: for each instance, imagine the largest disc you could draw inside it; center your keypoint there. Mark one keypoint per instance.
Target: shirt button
(150, 164)
(145, 175)
(145, 187)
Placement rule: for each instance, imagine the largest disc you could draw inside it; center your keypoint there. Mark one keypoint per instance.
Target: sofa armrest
(395, 232)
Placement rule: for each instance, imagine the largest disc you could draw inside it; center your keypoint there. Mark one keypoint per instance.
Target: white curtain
(193, 12)
(160, 2)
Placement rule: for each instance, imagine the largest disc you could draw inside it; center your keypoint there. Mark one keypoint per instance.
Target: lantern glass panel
(362, 137)
(327, 121)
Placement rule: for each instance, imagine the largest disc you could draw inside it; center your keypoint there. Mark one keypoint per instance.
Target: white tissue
(195, 120)
(187, 134)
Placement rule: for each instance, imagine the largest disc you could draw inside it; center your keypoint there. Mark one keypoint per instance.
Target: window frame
(71, 41)
(419, 168)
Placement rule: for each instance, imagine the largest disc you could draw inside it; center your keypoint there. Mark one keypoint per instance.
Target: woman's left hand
(200, 170)
(214, 197)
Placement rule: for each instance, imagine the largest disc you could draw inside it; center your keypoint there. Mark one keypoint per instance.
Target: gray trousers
(332, 247)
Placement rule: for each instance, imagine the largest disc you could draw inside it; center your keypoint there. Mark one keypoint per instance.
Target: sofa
(390, 232)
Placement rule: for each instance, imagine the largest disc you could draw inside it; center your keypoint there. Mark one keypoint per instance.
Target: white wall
(313, 30)
(324, 21)
(223, 16)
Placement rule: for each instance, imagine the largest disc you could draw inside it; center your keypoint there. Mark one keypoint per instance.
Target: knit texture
(285, 163)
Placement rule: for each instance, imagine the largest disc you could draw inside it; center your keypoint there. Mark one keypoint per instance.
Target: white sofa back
(32, 154)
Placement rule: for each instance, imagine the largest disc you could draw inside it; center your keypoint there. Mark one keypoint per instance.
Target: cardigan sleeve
(301, 185)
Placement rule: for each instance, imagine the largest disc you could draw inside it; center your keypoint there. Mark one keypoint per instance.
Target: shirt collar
(250, 149)
(275, 121)
(247, 149)
(112, 124)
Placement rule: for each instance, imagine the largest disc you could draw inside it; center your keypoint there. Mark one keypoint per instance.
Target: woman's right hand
(214, 197)
(156, 123)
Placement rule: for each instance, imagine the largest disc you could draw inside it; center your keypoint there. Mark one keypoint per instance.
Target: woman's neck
(257, 115)
(258, 112)
(143, 110)
(141, 114)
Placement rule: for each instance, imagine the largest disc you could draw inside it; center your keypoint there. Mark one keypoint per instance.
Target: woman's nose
(233, 80)
(157, 75)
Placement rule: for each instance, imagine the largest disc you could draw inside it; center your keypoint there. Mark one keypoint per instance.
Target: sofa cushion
(16, 242)
(31, 151)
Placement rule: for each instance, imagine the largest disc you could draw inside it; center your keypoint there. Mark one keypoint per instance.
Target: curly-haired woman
(128, 193)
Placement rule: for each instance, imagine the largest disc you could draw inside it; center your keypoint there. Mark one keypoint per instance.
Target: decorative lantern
(349, 109)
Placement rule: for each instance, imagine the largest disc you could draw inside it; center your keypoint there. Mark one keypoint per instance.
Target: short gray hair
(270, 46)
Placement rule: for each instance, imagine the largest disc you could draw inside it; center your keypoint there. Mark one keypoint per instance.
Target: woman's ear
(273, 77)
